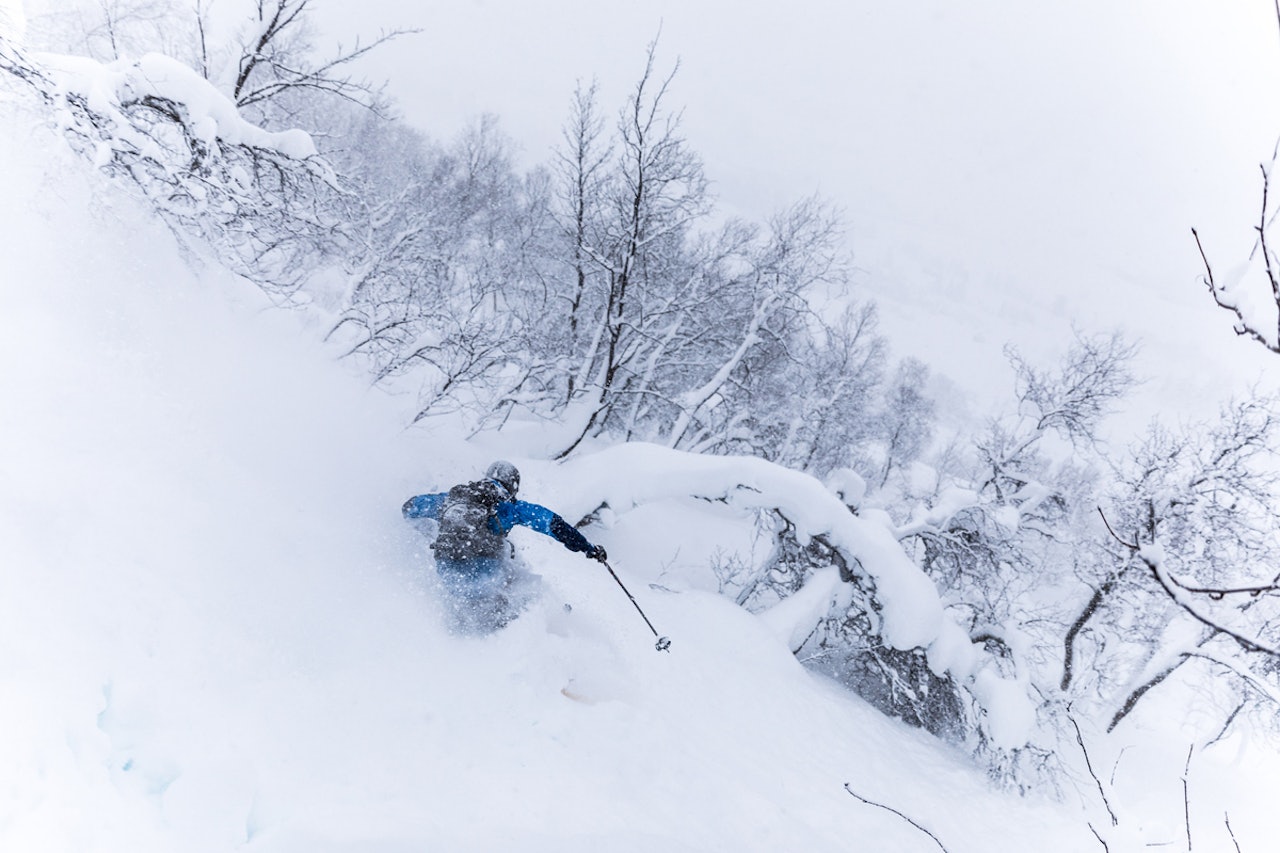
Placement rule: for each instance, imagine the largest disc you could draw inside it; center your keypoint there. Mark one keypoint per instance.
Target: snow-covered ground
(216, 632)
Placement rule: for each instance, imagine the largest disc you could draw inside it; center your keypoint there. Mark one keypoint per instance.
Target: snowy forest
(1029, 594)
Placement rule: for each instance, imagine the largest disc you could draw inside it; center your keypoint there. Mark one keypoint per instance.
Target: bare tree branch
(1186, 795)
(1088, 763)
(899, 814)
(1226, 818)
(1099, 837)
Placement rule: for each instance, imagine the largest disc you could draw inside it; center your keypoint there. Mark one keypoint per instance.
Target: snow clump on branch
(210, 116)
(912, 615)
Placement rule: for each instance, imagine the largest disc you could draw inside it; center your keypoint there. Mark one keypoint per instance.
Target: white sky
(1006, 167)
(1036, 163)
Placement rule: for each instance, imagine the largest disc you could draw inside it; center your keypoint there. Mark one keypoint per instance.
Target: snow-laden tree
(107, 30)
(629, 245)
(856, 566)
(275, 60)
(906, 423)
(260, 202)
(748, 379)
(695, 336)
(1192, 579)
(259, 53)
(1251, 290)
(1000, 531)
(442, 291)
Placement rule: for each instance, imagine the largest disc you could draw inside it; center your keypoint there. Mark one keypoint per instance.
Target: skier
(473, 556)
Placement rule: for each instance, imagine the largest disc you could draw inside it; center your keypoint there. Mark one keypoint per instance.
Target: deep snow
(216, 633)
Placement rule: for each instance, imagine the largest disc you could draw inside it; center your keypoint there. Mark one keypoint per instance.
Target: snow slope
(216, 633)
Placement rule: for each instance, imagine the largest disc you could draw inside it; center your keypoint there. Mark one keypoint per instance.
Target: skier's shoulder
(423, 506)
(524, 512)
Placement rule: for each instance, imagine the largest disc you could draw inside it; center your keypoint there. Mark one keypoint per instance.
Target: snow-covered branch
(1256, 307)
(911, 612)
(262, 201)
(274, 60)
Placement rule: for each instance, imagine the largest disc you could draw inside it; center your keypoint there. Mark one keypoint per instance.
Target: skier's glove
(597, 553)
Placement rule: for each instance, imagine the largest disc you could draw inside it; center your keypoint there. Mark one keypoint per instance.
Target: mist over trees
(604, 294)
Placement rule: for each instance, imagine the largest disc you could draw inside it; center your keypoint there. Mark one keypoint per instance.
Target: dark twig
(1171, 586)
(1226, 817)
(1226, 726)
(1130, 545)
(1262, 242)
(1088, 763)
(899, 814)
(1278, 11)
(1217, 593)
(1142, 691)
(1099, 837)
(1242, 326)
(1186, 796)
(1115, 767)
(1208, 270)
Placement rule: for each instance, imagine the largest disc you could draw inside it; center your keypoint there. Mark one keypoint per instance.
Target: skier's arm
(424, 506)
(543, 520)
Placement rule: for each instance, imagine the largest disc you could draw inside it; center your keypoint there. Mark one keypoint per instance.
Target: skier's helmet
(506, 474)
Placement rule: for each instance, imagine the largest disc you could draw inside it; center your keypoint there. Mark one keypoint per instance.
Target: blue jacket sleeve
(543, 520)
(424, 506)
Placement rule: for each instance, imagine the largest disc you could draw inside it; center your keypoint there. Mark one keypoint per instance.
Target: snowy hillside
(216, 632)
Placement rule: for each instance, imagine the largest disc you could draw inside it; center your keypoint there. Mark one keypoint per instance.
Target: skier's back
(473, 556)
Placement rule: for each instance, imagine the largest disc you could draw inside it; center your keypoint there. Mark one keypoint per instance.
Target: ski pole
(664, 643)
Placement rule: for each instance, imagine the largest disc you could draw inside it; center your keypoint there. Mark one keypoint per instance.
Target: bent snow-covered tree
(263, 203)
(868, 563)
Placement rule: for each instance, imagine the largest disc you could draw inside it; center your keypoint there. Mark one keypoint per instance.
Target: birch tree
(1192, 526)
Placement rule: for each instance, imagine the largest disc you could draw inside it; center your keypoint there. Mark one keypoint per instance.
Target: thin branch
(899, 814)
(1225, 816)
(1226, 726)
(1247, 643)
(1173, 588)
(1142, 691)
(1278, 11)
(1217, 593)
(1208, 270)
(1242, 326)
(1130, 545)
(1262, 241)
(1099, 837)
(1186, 797)
(1116, 767)
(1089, 764)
